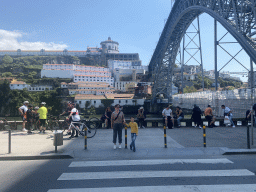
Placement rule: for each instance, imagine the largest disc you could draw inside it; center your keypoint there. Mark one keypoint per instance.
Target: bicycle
(4, 124)
(92, 124)
(53, 123)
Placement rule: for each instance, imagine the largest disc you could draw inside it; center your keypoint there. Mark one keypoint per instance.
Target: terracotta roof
(92, 75)
(17, 82)
(89, 97)
(119, 96)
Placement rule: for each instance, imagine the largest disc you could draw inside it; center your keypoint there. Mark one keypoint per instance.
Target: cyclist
(74, 115)
(30, 114)
(42, 117)
(23, 110)
(67, 112)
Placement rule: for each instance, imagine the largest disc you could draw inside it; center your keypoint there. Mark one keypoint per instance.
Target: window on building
(119, 101)
(94, 102)
(126, 101)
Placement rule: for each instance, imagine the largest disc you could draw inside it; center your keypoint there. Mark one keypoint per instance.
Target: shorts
(23, 118)
(76, 123)
(42, 122)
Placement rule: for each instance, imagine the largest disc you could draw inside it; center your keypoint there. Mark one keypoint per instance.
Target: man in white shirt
(228, 112)
(23, 111)
(75, 118)
(168, 117)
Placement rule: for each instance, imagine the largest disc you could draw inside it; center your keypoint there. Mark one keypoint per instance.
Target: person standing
(117, 121)
(209, 116)
(196, 116)
(23, 111)
(74, 115)
(108, 114)
(141, 117)
(42, 117)
(30, 115)
(168, 117)
(180, 115)
(228, 112)
(134, 133)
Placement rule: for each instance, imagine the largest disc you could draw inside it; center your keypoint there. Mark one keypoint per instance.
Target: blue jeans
(133, 137)
(178, 120)
(230, 119)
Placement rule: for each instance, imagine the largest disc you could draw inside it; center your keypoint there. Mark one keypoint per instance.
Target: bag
(103, 117)
(226, 120)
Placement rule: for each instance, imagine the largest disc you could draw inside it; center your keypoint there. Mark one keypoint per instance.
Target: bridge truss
(238, 17)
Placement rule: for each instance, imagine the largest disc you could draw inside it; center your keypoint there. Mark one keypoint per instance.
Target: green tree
(188, 89)
(7, 59)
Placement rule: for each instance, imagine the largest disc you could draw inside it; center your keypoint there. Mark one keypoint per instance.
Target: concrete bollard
(248, 138)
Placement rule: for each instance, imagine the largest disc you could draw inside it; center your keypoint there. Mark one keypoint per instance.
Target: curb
(239, 153)
(18, 158)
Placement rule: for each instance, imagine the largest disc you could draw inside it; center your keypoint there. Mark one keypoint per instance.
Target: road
(187, 174)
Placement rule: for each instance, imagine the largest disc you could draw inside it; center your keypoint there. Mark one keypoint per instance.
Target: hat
(36, 107)
(141, 108)
(43, 103)
(25, 102)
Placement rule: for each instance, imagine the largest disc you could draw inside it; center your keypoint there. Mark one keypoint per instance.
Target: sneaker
(43, 131)
(195, 126)
(24, 129)
(114, 146)
(76, 135)
(233, 126)
(40, 132)
(71, 137)
(143, 127)
(130, 147)
(134, 149)
(29, 132)
(200, 127)
(120, 147)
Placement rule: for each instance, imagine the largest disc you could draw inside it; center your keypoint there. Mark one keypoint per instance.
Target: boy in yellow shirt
(134, 133)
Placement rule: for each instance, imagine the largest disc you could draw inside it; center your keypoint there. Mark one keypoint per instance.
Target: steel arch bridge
(238, 17)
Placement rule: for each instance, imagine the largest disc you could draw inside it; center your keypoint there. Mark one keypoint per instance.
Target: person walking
(117, 121)
(23, 111)
(141, 117)
(108, 114)
(168, 117)
(180, 115)
(196, 116)
(209, 116)
(228, 112)
(134, 133)
(74, 115)
(42, 117)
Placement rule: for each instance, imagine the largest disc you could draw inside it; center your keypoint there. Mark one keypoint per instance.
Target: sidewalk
(149, 143)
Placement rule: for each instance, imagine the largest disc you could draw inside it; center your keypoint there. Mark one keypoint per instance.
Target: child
(134, 133)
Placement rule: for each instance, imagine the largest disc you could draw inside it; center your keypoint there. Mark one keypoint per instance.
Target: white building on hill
(78, 73)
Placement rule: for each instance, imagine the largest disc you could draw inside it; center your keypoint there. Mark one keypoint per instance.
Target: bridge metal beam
(236, 16)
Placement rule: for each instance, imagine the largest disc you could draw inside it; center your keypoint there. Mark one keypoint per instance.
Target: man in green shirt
(42, 117)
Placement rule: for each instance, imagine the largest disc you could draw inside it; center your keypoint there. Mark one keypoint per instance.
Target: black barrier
(9, 139)
(125, 131)
(165, 139)
(85, 138)
(248, 138)
(204, 135)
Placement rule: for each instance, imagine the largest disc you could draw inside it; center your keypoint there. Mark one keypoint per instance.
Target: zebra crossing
(154, 175)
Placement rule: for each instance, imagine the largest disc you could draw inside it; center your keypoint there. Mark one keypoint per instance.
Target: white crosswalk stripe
(105, 174)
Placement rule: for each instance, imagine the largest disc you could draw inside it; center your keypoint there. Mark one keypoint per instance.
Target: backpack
(254, 107)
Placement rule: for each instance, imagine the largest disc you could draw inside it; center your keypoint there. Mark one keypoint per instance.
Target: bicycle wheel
(93, 123)
(90, 132)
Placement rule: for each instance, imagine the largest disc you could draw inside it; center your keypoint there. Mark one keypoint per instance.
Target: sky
(76, 24)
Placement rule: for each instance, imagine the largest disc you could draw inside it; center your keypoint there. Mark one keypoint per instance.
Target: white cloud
(9, 41)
